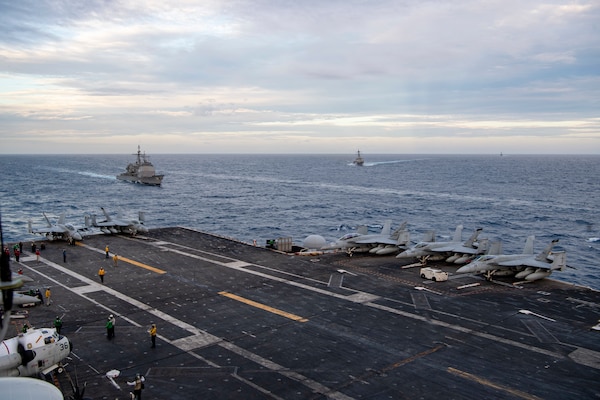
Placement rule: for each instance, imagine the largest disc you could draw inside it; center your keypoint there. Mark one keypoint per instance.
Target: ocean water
(260, 197)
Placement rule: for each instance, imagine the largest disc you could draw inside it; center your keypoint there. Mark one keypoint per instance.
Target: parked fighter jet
(380, 244)
(525, 266)
(20, 299)
(453, 251)
(60, 230)
(118, 224)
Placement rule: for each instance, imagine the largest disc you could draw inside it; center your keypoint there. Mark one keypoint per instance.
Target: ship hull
(155, 180)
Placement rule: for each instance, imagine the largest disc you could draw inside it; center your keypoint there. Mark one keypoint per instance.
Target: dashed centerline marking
(264, 307)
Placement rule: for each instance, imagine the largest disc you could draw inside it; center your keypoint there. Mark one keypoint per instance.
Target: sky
(304, 76)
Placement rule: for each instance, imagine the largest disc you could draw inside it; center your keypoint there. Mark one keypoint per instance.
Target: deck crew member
(152, 332)
(58, 324)
(48, 294)
(138, 385)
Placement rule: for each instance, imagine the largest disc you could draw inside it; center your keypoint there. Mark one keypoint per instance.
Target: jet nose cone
(77, 236)
(24, 278)
(26, 299)
(467, 268)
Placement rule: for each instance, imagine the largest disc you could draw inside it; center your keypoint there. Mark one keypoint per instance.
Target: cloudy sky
(304, 76)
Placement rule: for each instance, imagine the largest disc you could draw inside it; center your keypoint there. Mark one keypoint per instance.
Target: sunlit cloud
(259, 76)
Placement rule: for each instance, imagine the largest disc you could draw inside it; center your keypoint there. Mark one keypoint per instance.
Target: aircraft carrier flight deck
(237, 321)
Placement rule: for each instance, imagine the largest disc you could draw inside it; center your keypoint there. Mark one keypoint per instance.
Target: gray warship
(142, 171)
(358, 160)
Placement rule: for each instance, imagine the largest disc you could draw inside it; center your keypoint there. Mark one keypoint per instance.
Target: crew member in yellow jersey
(152, 333)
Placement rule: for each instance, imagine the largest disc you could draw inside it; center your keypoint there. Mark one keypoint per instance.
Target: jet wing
(461, 249)
(376, 241)
(443, 249)
(52, 229)
(106, 223)
(555, 261)
(524, 262)
(120, 222)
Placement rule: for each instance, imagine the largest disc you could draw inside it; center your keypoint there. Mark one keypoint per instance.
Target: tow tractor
(436, 275)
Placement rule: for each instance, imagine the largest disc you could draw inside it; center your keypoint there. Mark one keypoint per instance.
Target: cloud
(376, 73)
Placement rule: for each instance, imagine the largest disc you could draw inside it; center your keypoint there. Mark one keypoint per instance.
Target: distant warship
(358, 160)
(142, 171)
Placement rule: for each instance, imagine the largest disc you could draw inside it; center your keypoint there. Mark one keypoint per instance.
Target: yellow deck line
(263, 307)
(125, 259)
(139, 264)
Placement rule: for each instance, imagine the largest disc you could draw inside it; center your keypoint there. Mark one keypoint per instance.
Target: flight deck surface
(243, 322)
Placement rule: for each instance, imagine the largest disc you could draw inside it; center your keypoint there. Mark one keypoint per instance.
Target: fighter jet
(118, 224)
(60, 230)
(381, 243)
(453, 251)
(525, 266)
(20, 299)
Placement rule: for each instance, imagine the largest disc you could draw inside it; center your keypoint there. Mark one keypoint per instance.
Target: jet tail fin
(428, 236)
(473, 238)
(47, 220)
(396, 234)
(403, 238)
(494, 248)
(528, 249)
(458, 234)
(483, 246)
(105, 214)
(543, 256)
(363, 229)
(560, 261)
(61, 219)
(387, 227)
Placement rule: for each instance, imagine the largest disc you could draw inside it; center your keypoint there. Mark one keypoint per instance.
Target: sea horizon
(260, 197)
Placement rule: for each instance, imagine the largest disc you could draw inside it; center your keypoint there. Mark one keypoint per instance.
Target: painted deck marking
(125, 259)
(264, 307)
(418, 317)
(142, 265)
(198, 338)
(485, 382)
